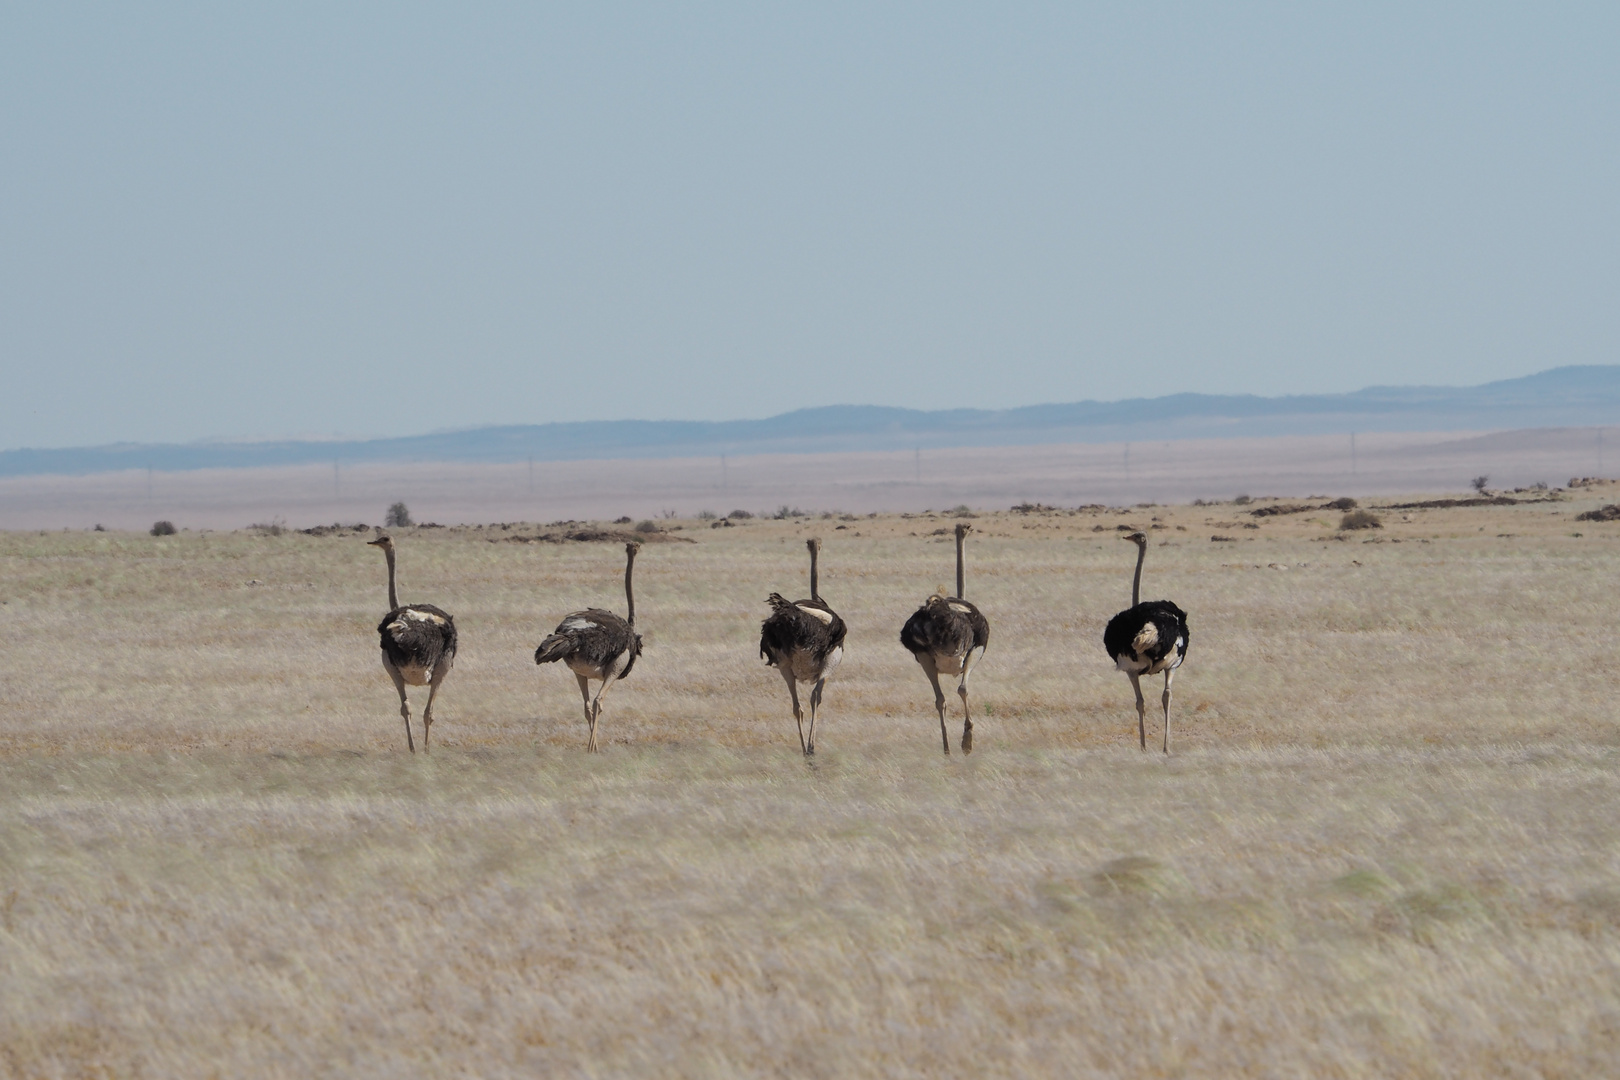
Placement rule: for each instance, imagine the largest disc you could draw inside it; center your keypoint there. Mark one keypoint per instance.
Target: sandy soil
(988, 478)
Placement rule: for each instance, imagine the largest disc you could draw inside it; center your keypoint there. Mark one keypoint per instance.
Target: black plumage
(1145, 639)
(418, 636)
(804, 641)
(948, 635)
(597, 644)
(1148, 652)
(418, 647)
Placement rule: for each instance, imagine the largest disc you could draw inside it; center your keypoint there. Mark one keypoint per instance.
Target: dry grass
(1384, 844)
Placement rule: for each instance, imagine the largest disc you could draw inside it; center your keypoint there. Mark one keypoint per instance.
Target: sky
(254, 221)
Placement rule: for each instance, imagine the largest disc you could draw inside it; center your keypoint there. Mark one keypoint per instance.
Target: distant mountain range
(1560, 397)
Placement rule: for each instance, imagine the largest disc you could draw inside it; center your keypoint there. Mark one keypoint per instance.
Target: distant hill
(1560, 397)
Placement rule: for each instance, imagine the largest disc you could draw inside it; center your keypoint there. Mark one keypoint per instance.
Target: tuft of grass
(1360, 519)
(1363, 883)
(1131, 874)
(648, 526)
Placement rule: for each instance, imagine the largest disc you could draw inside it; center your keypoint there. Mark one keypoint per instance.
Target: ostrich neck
(959, 566)
(815, 593)
(1136, 582)
(393, 597)
(629, 593)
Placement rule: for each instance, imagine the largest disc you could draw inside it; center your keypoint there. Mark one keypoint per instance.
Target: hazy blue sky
(283, 219)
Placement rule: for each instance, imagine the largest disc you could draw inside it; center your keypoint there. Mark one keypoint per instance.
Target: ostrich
(948, 635)
(597, 644)
(1146, 639)
(804, 640)
(418, 647)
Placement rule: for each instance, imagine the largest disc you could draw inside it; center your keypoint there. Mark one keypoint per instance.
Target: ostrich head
(384, 541)
(1139, 539)
(962, 529)
(814, 544)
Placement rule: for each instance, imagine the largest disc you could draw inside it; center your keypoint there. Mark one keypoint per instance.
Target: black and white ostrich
(947, 635)
(418, 647)
(597, 644)
(804, 640)
(1146, 639)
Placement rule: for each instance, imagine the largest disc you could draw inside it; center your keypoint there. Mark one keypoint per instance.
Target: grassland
(1386, 842)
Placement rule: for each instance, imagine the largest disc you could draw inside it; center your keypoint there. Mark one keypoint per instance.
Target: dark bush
(647, 527)
(1479, 483)
(1345, 503)
(398, 517)
(163, 528)
(1361, 519)
(1243, 500)
(622, 520)
(739, 515)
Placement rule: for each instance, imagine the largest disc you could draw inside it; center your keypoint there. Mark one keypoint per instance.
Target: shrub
(1346, 503)
(785, 511)
(706, 515)
(739, 515)
(1243, 500)
(647, 527)
(1361, 519)
(163, 528)
(1478, 483)
(622, 520)
(398, 517)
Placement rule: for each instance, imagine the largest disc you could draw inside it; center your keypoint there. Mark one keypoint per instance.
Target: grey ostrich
(418, 647)
(947, 635)
(1145, 639)
(804, 640)
(597, 644)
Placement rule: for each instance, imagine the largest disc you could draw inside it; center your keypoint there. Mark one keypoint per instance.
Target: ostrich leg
(815, 703)
(793, 692)
(427, 710)
(585, 695)
(404, 706)
(1169, 674)
(967, 719)
(1141, 709)
(596, 705)
(962, 691)
(932, 671)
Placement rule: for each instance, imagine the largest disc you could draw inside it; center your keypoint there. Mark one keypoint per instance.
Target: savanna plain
(1385, 842)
